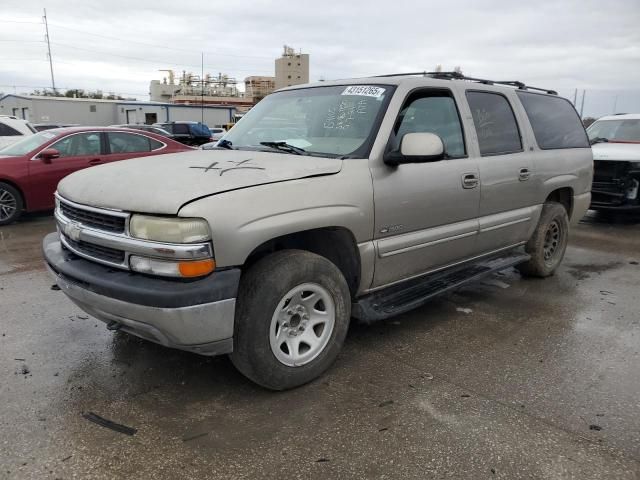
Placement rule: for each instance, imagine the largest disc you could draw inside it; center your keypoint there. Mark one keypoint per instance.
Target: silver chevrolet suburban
(357, 198)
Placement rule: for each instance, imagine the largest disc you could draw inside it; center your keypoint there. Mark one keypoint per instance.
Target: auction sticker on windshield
(364, 91)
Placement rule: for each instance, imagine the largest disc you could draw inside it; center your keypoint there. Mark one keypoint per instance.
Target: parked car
(13, 129)
(31, 168)
(40, 127)
(395, 189)
(217, 133)
(189, 133)
(615, 142)
(148, 128)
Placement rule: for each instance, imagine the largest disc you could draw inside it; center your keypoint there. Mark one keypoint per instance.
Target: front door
(426, 214)
(507, 203)
(77, 151)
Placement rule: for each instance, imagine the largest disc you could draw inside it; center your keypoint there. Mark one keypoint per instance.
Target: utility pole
(575, 97)
(202, 86)
(46, 28)
(584, 92)
(615, 105)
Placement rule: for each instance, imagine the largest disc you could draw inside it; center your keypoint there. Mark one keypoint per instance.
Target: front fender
(241, 220)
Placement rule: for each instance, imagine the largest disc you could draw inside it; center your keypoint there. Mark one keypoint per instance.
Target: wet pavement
(510, 378)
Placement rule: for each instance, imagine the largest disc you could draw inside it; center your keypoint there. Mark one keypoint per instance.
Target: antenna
(46, 28)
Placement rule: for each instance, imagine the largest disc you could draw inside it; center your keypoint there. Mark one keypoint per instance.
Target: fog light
(182, 269)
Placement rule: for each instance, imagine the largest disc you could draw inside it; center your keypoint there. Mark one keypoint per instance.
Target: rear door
(124, 145)
(77, 151)
(426, 214)
(507, 202)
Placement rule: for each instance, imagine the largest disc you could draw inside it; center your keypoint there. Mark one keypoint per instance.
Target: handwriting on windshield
(342, 116)
(221, 169)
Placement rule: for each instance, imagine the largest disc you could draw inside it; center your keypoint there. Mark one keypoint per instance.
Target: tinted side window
(495, 123)
(555, 122)
(433, 112)
(78, 145)
(128, 143)
(180, 129)
(7, 131)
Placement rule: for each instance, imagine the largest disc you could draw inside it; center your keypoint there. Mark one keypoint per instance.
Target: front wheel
(292, 318)
(10, 204)
(548, 242)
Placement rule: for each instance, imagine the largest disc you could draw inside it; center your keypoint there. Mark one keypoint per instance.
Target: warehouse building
(87, 111)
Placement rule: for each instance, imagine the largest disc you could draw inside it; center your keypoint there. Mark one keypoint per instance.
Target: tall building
(258, 87)
(291, 68)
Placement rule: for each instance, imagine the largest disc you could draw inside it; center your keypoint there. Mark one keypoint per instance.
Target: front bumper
(195, 315)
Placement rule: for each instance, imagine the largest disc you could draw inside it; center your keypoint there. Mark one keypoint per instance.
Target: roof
(621, 116)
(439, 79)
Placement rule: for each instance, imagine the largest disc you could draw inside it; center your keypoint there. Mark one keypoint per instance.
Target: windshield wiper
(593, 141)
(285, 147)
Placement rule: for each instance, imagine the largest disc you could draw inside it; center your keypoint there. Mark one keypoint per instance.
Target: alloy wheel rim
(552, 239)
(302, 324)
(8, 204)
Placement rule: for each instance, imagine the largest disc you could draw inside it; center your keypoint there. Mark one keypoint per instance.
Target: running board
(414, 293)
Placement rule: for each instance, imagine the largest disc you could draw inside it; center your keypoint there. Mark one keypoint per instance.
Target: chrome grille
(101, 221)
(96, 251)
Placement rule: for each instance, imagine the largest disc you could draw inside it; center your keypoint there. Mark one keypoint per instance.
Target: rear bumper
(196, 316)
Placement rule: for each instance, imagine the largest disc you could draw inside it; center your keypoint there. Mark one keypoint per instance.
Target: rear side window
(200, 130)
(180, 129)
(555, 122)
(128, 143)
(7, 131)
(155, 145)
(495, 123)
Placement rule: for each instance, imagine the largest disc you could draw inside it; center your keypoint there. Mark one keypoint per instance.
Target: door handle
(524, 174)
(470, 180)
(95, 161)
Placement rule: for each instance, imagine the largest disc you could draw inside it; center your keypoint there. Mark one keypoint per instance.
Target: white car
(13, 129)
(217, 133)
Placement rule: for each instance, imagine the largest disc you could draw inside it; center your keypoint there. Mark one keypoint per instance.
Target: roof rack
(460, 76)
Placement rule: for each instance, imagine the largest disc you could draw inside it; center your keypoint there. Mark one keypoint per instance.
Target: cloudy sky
(119, 45)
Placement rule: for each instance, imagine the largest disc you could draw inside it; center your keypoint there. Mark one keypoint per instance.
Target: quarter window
(128, 143)
(433, 112)
(495, 123)
(7, 131)
(554, 121)
(78, 145)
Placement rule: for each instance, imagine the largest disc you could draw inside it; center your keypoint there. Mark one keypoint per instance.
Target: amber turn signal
(197, 268)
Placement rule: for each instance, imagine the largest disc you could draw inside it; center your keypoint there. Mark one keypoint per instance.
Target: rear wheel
(10, 204)
(548, 242)
(292, 317)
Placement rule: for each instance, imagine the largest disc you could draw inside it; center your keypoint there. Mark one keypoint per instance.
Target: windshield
(627, 130)
(326, 121)
(27, 144)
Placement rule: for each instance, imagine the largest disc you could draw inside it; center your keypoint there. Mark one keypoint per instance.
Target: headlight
(170, 230)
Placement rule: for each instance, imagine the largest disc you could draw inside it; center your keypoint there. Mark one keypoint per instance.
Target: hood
(163, 183)
(626, 152)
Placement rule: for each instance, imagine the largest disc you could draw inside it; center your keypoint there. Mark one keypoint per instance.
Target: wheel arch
(336, 244)
(563, 196)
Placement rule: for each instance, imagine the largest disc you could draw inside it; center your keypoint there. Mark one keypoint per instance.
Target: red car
(31, 168)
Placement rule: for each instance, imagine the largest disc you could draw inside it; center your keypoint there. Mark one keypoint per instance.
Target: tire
(548, 242)
(11, 204)
(270, 333)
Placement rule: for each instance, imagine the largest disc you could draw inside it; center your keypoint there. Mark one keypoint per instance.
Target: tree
(586, 121)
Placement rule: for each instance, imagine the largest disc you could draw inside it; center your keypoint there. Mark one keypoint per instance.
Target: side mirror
(417, 148)
(48, 154)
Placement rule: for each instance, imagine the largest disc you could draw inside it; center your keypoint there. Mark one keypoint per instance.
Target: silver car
(356, 198)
